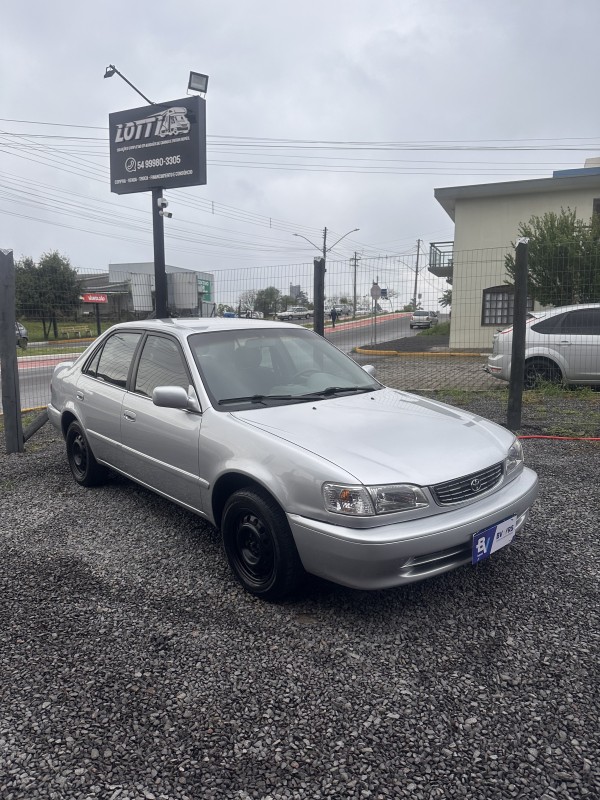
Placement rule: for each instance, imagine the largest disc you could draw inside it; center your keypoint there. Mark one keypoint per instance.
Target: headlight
(365, 501)
(514, 457)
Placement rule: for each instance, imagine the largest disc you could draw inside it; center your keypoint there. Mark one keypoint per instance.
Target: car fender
(534, 351)
(295, 495)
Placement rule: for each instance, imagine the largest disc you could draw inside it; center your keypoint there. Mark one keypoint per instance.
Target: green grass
(35, 329)
(59, 349)
(441, 329)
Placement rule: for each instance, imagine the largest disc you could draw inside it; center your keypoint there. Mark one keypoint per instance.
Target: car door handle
(130, 415)
(565, 341)
(79, 395)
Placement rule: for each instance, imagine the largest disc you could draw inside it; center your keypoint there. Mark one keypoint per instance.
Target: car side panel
(160, 448)
(98, 407)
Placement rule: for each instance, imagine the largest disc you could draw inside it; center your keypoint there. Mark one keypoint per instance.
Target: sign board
(90, 297)
(158, 146)
(375, 291)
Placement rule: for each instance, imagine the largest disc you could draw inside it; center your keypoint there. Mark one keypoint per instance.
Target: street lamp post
(319, 279)
(111, 70)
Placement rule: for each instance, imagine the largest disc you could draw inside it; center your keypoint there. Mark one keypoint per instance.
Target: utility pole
(355, 262)
(416, 275)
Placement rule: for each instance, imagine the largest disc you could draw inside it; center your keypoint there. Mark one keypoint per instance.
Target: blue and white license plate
(493, 538)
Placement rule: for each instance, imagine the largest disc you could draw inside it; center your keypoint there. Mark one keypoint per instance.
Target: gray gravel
(133, 666)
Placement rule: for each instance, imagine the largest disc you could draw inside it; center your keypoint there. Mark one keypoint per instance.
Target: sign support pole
(160, 275)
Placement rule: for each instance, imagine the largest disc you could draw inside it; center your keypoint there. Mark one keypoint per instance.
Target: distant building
(130, 290)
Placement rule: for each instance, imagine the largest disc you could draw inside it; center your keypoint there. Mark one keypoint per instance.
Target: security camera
(165, 213)
(161, 202)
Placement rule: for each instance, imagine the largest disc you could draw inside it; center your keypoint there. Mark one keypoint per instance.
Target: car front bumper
(406, 552)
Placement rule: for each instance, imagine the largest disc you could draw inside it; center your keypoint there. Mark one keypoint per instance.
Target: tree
(446, 299)
(285, 301)
(247, 301)
(47, 290)
(564, 258)
(267, 300)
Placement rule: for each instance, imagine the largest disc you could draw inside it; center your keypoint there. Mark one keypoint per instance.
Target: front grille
(467, 487)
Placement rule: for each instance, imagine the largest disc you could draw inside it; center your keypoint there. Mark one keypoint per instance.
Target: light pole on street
(319, 279)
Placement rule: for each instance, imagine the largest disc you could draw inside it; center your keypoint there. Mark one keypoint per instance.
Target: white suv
(561, 345)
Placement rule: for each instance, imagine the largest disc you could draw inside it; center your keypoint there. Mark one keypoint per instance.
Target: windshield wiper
(255, 398)
(331, 390)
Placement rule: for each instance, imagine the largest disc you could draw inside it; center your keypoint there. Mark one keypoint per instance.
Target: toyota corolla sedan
(302, 459)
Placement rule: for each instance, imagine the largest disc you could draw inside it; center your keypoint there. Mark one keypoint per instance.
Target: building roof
(563, 181)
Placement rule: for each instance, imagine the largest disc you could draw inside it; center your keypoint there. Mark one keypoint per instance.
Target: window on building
(596, 205)
(498, 305)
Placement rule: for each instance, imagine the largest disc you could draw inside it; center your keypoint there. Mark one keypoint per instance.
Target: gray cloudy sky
(415, 76)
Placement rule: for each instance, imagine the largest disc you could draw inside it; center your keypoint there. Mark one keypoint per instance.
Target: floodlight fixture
(198, 82)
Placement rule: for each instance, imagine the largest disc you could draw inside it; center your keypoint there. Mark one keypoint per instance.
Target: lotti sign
(89, 297)
(158, 146)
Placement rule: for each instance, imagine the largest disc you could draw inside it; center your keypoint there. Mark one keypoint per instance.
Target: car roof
(551, 312)
(183, 326)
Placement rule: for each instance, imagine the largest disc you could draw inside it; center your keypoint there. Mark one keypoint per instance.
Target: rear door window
(113, 362)
(584, 322)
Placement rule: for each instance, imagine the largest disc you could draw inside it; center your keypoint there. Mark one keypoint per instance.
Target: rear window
(420, 314)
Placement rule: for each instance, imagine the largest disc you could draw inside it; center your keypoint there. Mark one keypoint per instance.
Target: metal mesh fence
(425, 325)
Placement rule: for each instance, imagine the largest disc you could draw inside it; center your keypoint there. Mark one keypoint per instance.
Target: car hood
(387, 436)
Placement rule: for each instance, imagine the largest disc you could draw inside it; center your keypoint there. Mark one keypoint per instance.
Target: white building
(486, 219)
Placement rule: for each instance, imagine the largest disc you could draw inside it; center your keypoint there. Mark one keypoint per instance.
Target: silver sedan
(303, 460)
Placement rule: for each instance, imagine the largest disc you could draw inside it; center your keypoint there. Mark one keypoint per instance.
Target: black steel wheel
(540, 370)
(259, 545)
(85, 468)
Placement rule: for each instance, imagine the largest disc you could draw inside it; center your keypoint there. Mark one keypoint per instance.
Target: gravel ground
(132, 665)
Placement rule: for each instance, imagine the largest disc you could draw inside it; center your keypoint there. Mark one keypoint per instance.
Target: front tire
(259, 545)
(84, 467)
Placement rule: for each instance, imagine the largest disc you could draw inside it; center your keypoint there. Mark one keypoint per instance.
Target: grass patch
(35, 329)
(54, 350)
(441, 329)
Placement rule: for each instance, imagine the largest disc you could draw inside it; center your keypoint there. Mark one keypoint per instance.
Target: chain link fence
(426, 324)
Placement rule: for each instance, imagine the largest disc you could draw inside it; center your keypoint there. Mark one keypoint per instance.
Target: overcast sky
(405, 79)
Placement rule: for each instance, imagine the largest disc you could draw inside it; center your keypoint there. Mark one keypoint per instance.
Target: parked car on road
(295, 312)
(561, 345)
(342, 310)
(21, 335)
(302, 459)
(423, 319)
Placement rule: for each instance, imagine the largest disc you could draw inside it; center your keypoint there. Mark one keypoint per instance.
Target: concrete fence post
(11, 399)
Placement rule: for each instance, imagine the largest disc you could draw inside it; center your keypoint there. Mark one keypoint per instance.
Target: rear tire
(84, 467)
(259, 545)
(540, 370)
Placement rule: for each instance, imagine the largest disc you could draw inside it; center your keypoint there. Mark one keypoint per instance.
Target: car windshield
(253, 369)
(420, 313)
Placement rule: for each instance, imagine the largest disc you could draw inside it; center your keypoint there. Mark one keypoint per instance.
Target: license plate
(493, 538)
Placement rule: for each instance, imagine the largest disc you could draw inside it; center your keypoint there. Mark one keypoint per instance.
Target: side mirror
(370, 369)
(175, 397)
